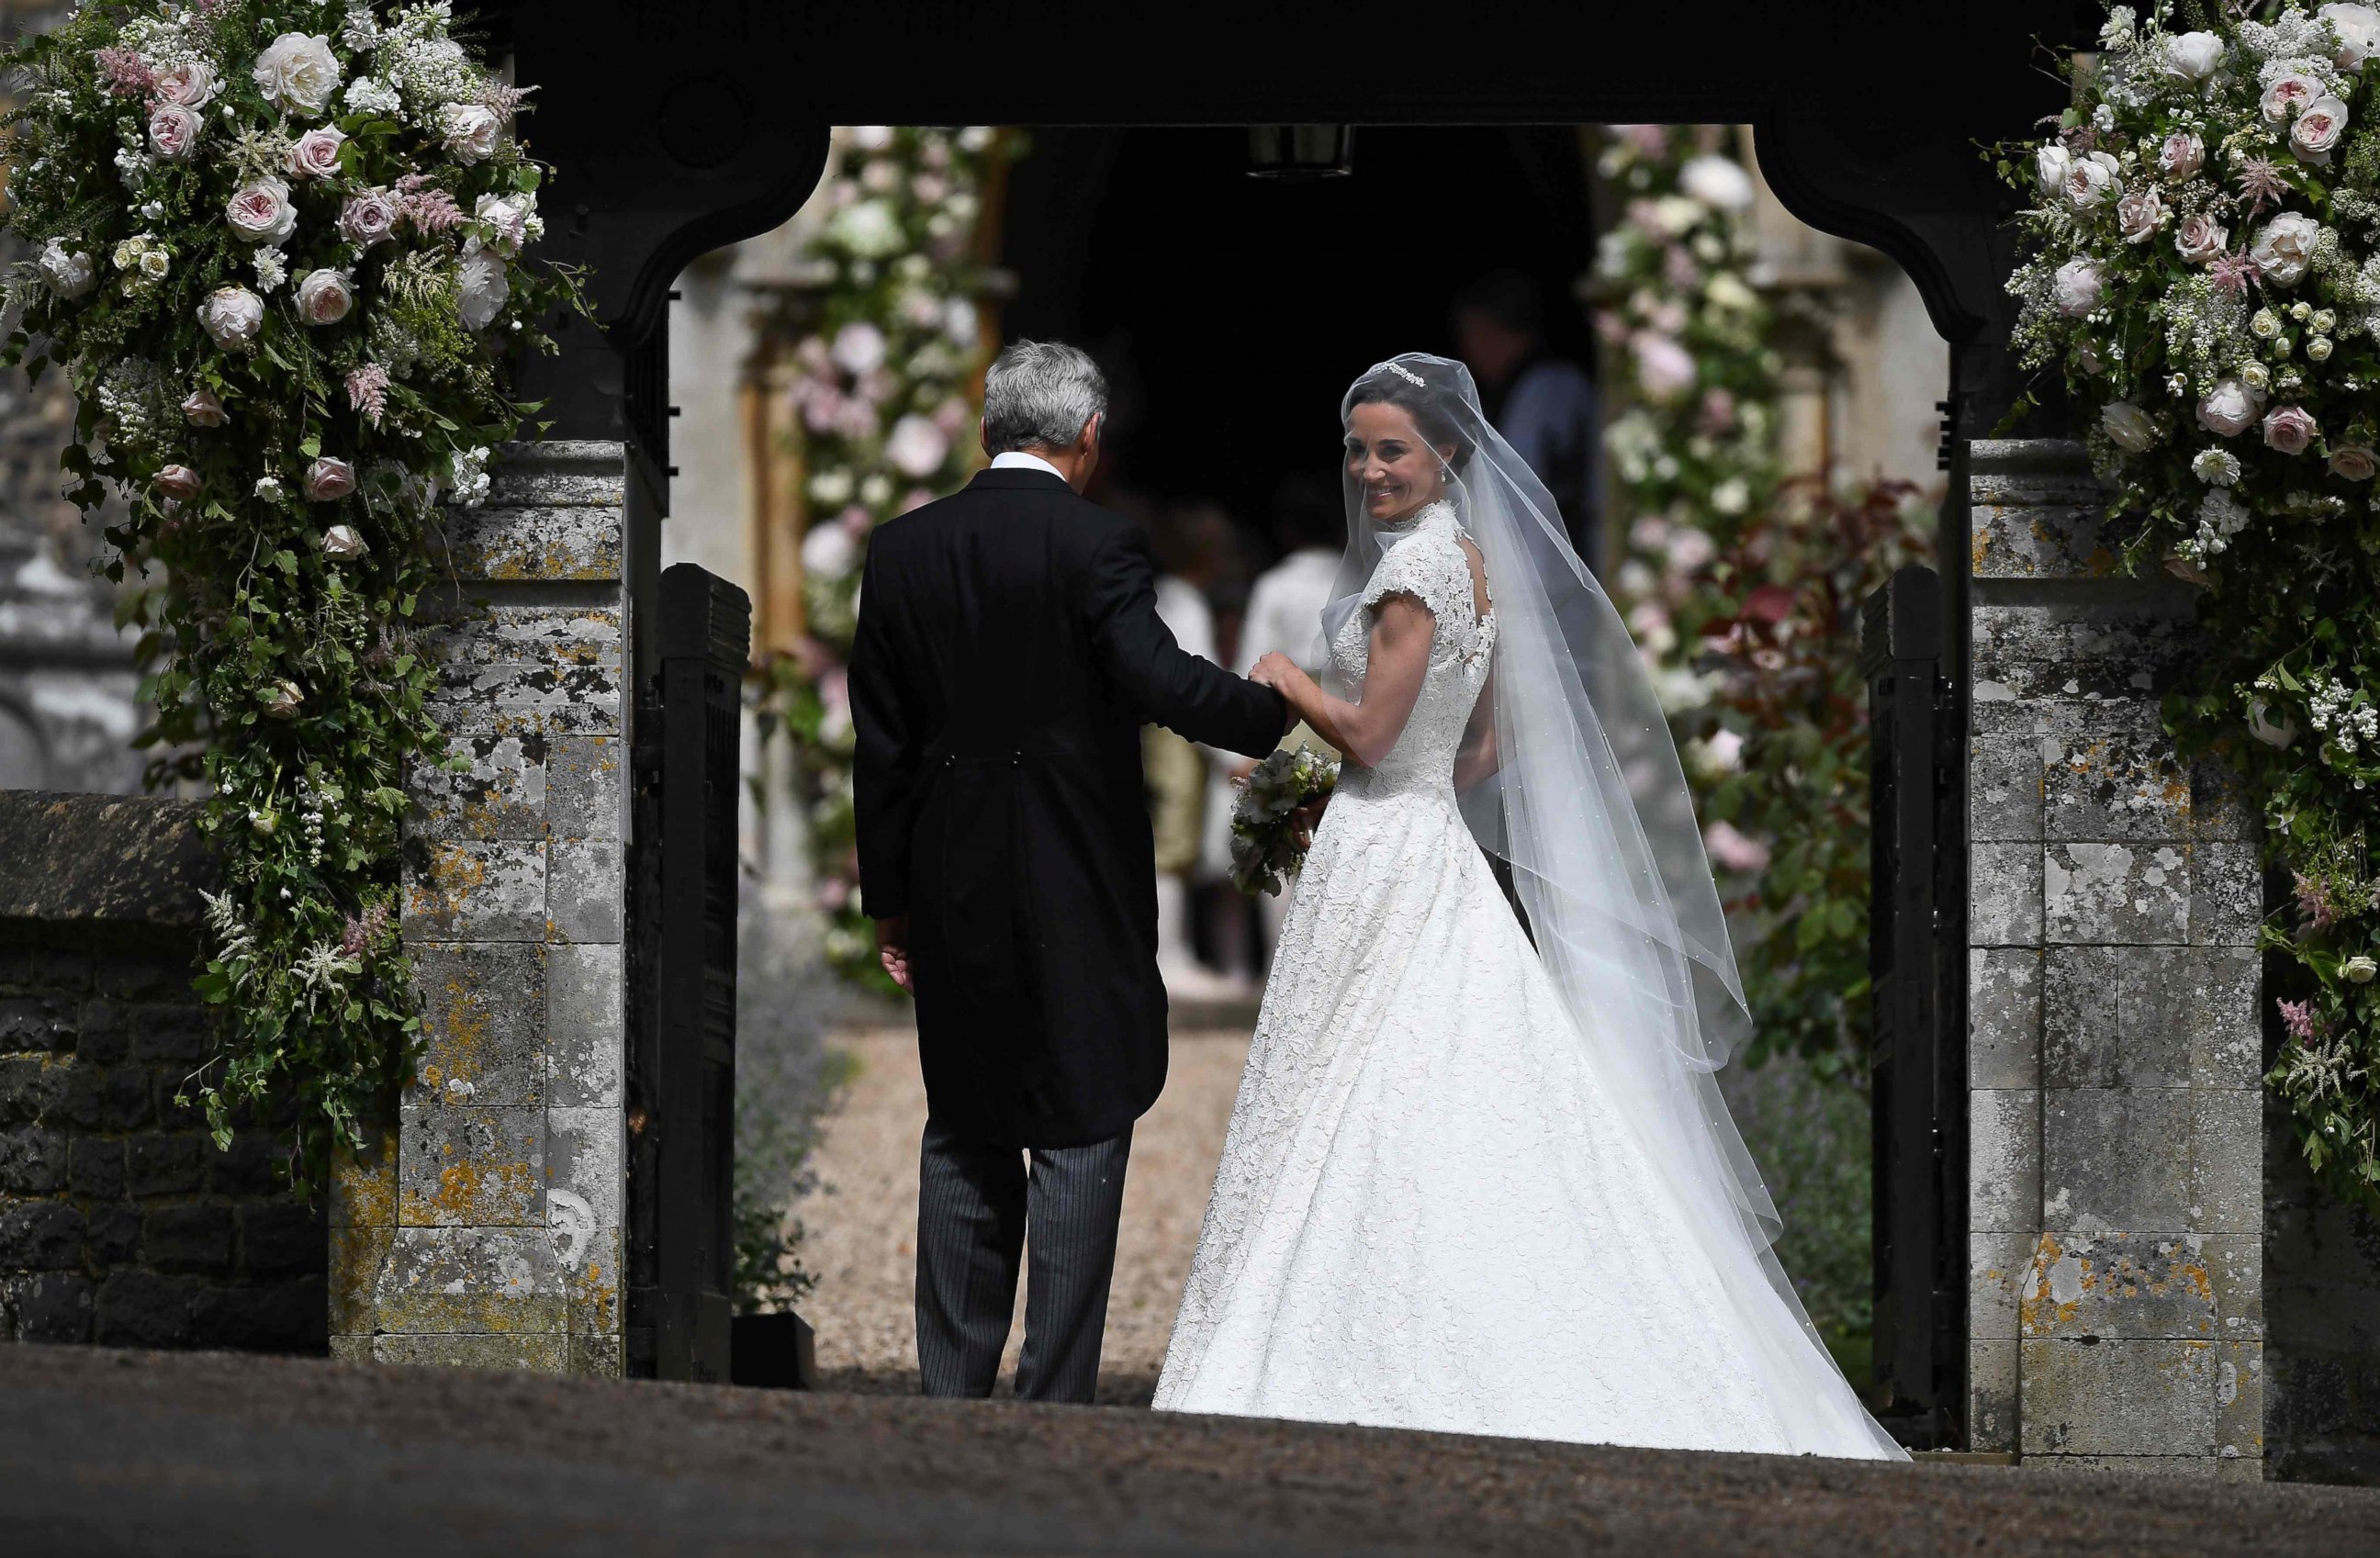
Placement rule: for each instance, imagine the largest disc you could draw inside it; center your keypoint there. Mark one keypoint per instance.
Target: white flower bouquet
(1265, 846)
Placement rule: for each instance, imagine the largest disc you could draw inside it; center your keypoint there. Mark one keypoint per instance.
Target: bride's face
(1393, 464)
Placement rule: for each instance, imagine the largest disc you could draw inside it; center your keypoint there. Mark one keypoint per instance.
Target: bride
(1479, 1177)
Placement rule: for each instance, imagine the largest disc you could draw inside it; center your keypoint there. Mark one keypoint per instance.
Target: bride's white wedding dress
(1431, 1212)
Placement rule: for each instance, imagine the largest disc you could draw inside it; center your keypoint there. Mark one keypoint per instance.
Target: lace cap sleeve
(1432, 569)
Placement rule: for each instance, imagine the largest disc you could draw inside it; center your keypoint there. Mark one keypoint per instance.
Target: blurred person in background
(1543, 404)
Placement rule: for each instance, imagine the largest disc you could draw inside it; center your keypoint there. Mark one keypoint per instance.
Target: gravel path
(862, 1222)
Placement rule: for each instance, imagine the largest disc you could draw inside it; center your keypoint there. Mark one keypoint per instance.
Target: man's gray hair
(1039, 394)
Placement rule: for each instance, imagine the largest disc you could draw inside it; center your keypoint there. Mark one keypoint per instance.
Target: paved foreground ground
(863, 1220)
(104, 1453)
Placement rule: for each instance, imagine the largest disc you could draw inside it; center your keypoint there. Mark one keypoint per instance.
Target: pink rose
(314, 155)
(1665, 369)
(2139, 215)
(2356, 462)
(2200, 238)
(2182, 155)
(2318, 129)
(2076, 288)
(324, 297)
(327, 480)
(2286, 96)
(2229, 409)
(2288, 430)
(262, 213)
(369, 218)
(201, 409)
(174, 131)
(177, 481)
(191, 84)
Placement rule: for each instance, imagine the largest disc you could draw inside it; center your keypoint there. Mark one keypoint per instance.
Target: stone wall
(487, 1231)
(120, 1221)
(2322, 1311)
(2115, 1058)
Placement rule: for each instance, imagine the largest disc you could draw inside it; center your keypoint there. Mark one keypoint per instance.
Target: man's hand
(893, 949)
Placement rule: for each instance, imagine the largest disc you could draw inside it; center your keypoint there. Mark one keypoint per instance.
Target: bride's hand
(1276, 671)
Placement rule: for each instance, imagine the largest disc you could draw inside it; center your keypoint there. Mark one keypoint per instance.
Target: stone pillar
(2116, 1174)
(487, 1231)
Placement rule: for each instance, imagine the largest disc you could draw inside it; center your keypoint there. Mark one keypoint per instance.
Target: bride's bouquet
(1265, 847)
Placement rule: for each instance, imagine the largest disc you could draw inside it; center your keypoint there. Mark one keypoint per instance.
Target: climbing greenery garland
(277, 250)
(2205, 279)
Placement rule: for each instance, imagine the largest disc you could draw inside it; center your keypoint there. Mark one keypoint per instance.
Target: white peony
(481, 288)
(470, 130)
(69, 273)
(858, 348)
(2129, 426)
(2076, 287)
(231, 316)
(2283, 250)
(2358, 28)
(1716, 181)
(325, 297)
(2193, 57)
(827, 552)
(916, 447)
(297, 73)
(2092, 179)
(2229, 409)
(262, 213)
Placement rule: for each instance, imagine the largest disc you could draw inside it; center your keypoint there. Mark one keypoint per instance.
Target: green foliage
(2204, 282)
(281, 520)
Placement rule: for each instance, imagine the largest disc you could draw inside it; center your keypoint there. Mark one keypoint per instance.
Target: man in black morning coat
(1008, 654)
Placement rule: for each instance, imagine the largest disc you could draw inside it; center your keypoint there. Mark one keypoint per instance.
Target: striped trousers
(979, 1208)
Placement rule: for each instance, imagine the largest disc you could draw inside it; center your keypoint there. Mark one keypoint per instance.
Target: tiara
(1407, 374)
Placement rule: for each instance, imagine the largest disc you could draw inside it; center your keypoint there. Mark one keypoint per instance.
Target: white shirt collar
(1017, 460)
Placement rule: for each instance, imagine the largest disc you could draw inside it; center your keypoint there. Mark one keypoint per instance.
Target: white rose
(2358, 28)
(827, 552)
(2076, 288)
(2128, 426)
(2317, 130)
(174, 131)
(2361, 968)
(471, 130)
(2050, 166)
(324, 296)
(916, 447)
(68, 272)
(231, 316)
(482, 287)
(1716, 181)
(858, 347)
(341, 542)
(262, 213)
(201, 409)
(190, 83)
(2092, 179)
(2260, 724)
(315, 154)
(509, 217)
(297, 73)
(2229, 409)
(2139, 215)
(327, 480)
(2286, 96)
(2193, 57)
(2284, 247)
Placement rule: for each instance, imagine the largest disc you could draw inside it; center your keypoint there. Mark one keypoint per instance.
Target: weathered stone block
(158, 1165)
(519, 1354)
(2219, 805)
(363, 1183)
(596, 1358)
(2127, 646)
(590, 472)
(2004, 787)
(2032, 471)
(2226, 895)
(587, 1007)
(1992, 1396)
(457, 891)
(586, 787)
(95, 1168)
(169, 1033)
(585, 879)
(351, 1350)
(2187, 1016)
(582, 1158)
(559, 663)
(2004, 1159)
(197, 1240)
(501, 793)
(144, 1310)
(2120, 1285)
(114, 1234)
(2004, 895)
(32, 1161)
(1997, 1263)
(40, 1236)
(106, 1034)
(2004, 1016)
(2103, 894)
(283, 1239)
(2239, 1402)
(358, 1257)
(2150, 1398)
(2227, 1180)
(483, 1023)
(2034, 542)
(593, 1280)
(40, 1021)
(2079, 1017)
(447, 1280)
(2235, 1265)
(2113, 788)
(467, 1165)
(536, 542)
(2116, 1160)
(130, 1102)
(46, 1307)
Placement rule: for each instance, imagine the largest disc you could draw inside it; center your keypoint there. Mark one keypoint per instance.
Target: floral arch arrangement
(2204, 277)
(278, 249)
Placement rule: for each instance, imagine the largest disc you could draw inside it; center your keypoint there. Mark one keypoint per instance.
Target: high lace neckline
(1437, 511)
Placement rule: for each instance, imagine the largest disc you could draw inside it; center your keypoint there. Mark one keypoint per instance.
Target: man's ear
(1089, 442)
(983, 435)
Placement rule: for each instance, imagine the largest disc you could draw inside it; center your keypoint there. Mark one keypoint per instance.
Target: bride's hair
(1429, 406)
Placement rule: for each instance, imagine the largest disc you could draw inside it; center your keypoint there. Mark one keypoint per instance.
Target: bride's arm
(1365, 729)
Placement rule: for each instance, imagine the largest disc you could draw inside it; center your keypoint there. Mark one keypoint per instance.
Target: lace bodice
(1427, 562)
